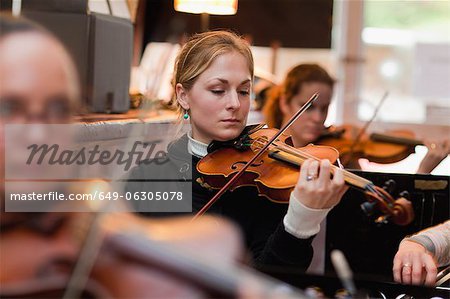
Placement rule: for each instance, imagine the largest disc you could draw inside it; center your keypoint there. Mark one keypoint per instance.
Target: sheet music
(119, 8)
(99, 6)
(431, 72)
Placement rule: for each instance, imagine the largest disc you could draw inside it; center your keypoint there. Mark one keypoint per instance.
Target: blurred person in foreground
(39, 86)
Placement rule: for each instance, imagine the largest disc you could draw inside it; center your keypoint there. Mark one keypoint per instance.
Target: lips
(231, 120)
(313, 132)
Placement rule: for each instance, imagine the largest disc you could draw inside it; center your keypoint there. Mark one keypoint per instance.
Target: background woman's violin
(276, 171)
(352, 144)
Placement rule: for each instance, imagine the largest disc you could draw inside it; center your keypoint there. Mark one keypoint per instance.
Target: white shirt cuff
(301, 221)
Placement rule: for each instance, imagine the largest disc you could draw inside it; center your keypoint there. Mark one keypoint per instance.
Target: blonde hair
(200, 51)
(290, 87)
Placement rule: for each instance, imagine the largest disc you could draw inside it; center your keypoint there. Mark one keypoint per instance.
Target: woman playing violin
(300, 83)
(212, 82)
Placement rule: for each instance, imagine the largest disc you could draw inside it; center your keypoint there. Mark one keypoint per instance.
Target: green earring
(186, 115)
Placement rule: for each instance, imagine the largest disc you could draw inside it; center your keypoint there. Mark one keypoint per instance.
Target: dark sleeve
(133, 183)
(136, 181)
(284, 249)
(262, 223)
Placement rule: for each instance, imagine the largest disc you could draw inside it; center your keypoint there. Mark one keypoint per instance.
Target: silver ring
(310, 178)
(406, 265)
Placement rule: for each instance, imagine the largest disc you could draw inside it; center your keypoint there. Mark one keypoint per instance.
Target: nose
(233, 102)
(317, 115)
(34, 113)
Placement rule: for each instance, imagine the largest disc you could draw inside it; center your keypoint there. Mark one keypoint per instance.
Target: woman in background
(301, 82)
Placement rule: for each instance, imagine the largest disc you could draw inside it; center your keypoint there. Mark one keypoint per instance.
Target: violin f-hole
(235, 165)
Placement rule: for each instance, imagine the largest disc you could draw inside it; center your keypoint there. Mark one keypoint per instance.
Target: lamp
(207, 7)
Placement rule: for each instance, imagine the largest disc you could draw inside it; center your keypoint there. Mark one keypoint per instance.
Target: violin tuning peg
(389, 186)
(368, 207)
(405, 194)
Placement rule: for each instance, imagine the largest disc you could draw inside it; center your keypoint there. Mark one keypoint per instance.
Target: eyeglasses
(54, 110)
(44, 223)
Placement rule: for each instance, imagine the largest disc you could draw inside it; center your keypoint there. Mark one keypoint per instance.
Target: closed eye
(217, 91)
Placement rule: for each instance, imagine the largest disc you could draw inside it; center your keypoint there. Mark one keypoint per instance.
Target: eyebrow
(226, 81)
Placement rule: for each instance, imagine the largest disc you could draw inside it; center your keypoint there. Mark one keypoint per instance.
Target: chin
(310, 138)
(228, 134)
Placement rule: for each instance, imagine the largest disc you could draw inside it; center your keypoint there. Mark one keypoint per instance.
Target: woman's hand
(316, 189)
(413, 264)
(437, 151)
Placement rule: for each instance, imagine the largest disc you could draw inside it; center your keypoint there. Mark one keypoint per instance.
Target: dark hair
(10, 24)
(291, 86)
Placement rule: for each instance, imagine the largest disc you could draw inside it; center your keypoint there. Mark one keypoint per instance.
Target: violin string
(347, 174)
(380, 194)
(368, 186)
(304, 155)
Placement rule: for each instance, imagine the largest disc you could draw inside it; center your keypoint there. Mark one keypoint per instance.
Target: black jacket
(260, 219)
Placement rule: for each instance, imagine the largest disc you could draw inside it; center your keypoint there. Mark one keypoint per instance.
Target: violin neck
(354, 180)
(395, 139)
(351, 179)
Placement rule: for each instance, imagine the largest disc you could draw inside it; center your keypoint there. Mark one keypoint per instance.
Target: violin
(275, 172)
(125, 256)
(353, 143)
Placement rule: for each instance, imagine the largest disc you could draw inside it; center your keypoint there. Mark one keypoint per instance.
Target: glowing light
(213, 7)
(390, 69)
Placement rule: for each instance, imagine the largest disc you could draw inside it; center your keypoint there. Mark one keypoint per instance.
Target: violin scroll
(403, 212)
(399, 210)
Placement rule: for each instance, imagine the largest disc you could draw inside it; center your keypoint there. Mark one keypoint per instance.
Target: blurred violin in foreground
(353, 143)
(124, 256)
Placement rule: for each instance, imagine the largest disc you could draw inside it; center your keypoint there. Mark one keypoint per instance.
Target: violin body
(390, 147)
(274, 179)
